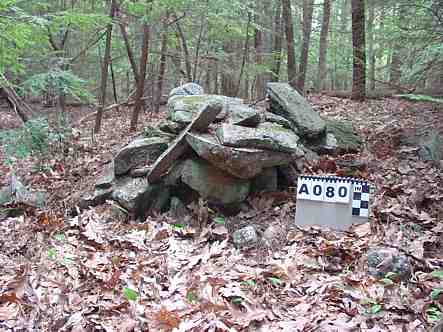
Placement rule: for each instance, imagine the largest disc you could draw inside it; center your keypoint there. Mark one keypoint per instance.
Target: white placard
(318, 190)
(304, 186)
(343, 192)
(330, 191)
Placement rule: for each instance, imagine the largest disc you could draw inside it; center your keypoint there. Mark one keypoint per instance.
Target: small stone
(107, 177)
(346, 139)
(273, 235)
(151, 131)
(171, 127)
(188, 89)
(383, 260)
(245, 237)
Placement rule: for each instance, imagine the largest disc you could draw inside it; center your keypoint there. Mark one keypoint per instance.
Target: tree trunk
(371, 41)
(245, 52)
(277, 45)
(105, 65)
(162, 69)
(322, 70)
(289, 32)
(185, 51)
(259, 49)
(359, 52)
(129, 52)
(142, 76)
(308, 8)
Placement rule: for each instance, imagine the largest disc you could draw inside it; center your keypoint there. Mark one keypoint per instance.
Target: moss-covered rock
(347, 139)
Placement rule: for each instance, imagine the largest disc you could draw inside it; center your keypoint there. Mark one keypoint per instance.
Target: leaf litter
(93, 272)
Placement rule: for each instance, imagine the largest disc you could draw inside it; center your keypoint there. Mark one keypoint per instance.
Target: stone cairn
(220, 149)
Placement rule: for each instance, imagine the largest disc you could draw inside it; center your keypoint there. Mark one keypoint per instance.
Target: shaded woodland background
(112, 52)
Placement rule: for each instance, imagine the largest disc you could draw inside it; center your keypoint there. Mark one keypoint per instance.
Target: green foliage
(61, 82)
(437, 274)
(130, 294)
(34, 138)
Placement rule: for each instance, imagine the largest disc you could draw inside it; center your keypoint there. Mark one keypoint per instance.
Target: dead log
(21, 108)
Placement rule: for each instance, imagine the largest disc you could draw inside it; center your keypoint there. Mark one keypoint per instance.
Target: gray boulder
(214, 184)
(429, 143)
(245, 237)
(341, 136)
(139, 153)
(17, 192)
(240, 162)
(243, 115)
(383, 260)
(188, 89)
(267, 136)
(287, 102)
(138, 196)
(183, 109)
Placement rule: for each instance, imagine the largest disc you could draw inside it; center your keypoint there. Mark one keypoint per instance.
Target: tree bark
(322, 70)
(359, 52)
(105, 65)
(142, 76)
(245, 52)
(185, 51)
(308, 8)
(289, 32)
(277, 45)
(259, 49)
(162, 69)
(371, 41)
(131, 57)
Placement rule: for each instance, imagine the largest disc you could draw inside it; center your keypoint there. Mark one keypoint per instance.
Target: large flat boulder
(138, 196)
(182, 109)
(268, 136)
(214, 184)
(239, 162)
(138, 153)
(287, 102)
(206, 115)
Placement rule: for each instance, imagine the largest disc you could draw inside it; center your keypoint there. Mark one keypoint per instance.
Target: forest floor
(93, 272)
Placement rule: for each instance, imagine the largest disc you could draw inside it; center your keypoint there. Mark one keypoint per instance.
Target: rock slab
(287, 102)
(139, 152)
(267, 136)
(206, 116)
(239, 162)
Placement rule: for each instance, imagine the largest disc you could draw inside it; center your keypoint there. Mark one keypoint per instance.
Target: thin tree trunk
(185, 51)
(322, 70)
(308, 8)
(277, 47)
(371, 41)
(258, 46)
(289, 32)
(129, 52)
(105, 65)
(359, 52)
(114, 85)
(245, 52)
(142, 76)
(162, 70)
